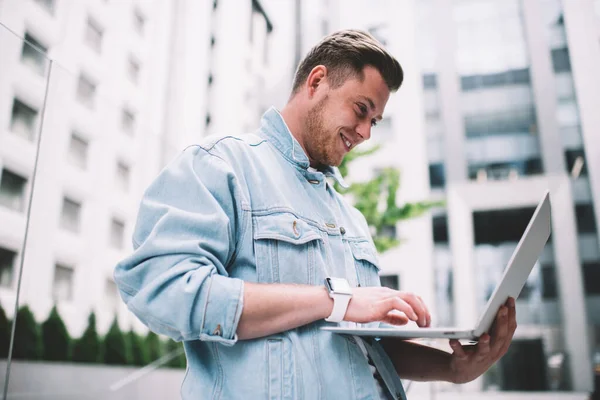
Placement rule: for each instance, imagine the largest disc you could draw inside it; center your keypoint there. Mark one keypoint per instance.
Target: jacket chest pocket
(365, 262)
(287, 249)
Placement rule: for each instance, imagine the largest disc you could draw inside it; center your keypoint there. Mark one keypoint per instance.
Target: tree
(28, 340)
(115, 348)
(139, 352)
(4, 334)
(56, 339)
(87, 348)
(179, 361)
(153, 346)
(376, 200)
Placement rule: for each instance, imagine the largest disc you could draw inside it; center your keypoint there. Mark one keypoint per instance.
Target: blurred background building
(497, 106)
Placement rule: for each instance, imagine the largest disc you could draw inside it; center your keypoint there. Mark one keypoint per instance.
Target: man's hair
(345, 54)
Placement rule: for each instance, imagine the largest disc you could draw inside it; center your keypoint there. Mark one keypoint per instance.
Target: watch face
(339, 285)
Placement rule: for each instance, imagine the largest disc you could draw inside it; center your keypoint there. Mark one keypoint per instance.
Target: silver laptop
(515, 275)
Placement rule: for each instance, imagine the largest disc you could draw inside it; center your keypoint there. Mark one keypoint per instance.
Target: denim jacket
(248, 208)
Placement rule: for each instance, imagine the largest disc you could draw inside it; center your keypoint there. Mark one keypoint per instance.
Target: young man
(236, 237)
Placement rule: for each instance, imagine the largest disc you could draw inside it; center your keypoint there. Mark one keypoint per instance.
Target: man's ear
(316, 80)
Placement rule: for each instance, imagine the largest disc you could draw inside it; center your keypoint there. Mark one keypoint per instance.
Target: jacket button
(314, 181)
(330, 225)
(342, 230)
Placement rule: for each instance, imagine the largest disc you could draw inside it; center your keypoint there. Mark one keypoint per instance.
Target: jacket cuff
(223, 310)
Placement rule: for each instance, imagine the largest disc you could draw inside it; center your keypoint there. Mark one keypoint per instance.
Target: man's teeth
(346, 141)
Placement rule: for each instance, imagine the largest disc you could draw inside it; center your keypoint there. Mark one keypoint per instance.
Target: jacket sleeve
(176, 280)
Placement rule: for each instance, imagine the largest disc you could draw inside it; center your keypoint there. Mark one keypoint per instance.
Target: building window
(586, 221)
(63, 283)
(212, 41)
(12, 190)
(86, 91)
(128, 121)
(390, 281)
(207, 122)
(117, 233)
(47, 4)
(549, 289)
(93, 35)
(33, 54)
(139, 21)
(123, 174)
(78, 150)
(440, 229)
(591, 277)
(70, 218)
(23, 120)
(210, 79)
(500, 226)
(8, 259)
(133, 70)
(215, 4)
(560, 60)
(437, 176)
(575, 160)
(429, 81)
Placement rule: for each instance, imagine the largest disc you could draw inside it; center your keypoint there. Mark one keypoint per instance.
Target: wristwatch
(340, 291)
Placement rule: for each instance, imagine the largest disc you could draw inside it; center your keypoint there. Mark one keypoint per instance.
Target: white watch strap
(340, 305)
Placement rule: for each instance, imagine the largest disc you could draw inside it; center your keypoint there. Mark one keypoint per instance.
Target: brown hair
(345, 54)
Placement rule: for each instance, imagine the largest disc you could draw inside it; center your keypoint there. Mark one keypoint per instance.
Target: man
(235, 239)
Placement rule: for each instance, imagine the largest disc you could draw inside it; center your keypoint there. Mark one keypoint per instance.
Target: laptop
(515, 275)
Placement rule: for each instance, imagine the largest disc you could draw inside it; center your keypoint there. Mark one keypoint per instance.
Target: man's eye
(374, 123)
(362, 108)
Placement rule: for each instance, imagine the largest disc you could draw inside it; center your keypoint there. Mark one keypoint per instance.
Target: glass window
(117, 233)
(86, 91)
(560, 60)
(8, 258)
(429, 81)
(123, 173)
(390, 281)
(47, 4)
(133, 70)
(591, 277)
(23, 120)
(500, 226)
(139, 21)
(93, 35)
(437, 176)
(128, 121)
(78, 150)
(12, 190)
(70, 218)
(33, 54)
(112, 294)
(586, 220)
(549, 289)
(440, 229)
(63, 283)
(576, 165)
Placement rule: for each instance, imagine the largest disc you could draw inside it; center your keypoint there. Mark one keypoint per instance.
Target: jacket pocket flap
(365, 251)
(285, 227)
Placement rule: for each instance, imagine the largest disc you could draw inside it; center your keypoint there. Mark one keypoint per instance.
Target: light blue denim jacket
(248, 208)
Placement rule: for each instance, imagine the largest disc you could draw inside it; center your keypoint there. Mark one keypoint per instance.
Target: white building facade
(111, 91)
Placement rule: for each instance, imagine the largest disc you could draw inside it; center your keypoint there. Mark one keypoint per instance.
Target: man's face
(342, 118)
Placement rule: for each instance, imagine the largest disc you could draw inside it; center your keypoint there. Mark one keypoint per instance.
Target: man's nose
(364, 130)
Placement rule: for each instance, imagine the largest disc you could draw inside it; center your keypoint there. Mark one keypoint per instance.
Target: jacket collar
(276, 131)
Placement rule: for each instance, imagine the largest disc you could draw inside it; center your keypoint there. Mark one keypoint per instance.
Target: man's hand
(469, 362)
(371, 304)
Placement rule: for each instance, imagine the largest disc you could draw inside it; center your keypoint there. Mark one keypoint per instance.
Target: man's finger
(396, 318)
(458, 349)
(416, 305)
(483, 347)
(396, 303)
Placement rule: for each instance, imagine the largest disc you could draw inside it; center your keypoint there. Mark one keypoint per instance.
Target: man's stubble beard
(318, 141)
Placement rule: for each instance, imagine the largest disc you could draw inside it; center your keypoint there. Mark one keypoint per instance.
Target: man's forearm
(417, 362)
(274, 308)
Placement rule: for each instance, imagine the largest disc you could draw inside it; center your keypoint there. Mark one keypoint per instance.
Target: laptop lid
(520, 264)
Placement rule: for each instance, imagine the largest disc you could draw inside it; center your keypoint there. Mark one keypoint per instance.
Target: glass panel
(23, 82)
